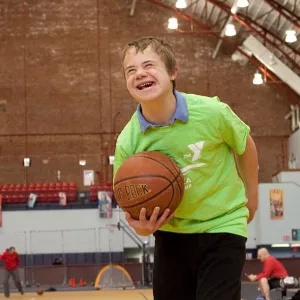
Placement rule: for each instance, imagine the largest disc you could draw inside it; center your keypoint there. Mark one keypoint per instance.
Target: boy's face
(146, 75)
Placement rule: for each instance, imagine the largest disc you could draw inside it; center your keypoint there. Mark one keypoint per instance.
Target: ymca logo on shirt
(192, 157)
(195, 155)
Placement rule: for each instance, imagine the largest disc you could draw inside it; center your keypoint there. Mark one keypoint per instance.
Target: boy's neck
(160, 111)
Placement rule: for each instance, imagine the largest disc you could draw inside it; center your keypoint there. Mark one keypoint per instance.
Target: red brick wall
(60, 73)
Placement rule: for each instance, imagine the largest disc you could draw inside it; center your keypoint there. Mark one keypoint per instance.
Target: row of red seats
(41, 197)
(39, 187)
(96, 188)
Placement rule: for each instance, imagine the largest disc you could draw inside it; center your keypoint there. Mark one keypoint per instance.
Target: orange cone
(82, 282)
(72, 282)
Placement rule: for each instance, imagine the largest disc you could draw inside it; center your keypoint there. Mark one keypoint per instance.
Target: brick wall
(61, 76)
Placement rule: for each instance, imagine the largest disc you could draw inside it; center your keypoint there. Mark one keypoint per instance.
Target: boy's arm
(2, 256)
(247, 164)
(236, 134)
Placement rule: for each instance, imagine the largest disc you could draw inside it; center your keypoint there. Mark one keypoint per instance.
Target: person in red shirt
(11, 265)
(273, 271)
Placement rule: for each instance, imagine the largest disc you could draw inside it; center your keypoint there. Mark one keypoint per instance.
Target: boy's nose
(140, 73)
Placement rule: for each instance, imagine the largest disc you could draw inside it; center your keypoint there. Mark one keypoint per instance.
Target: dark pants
(15, 275)
(201, 266)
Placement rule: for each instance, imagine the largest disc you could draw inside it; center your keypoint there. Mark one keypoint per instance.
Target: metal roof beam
(132, 10)
(289, 15)
(261, 31)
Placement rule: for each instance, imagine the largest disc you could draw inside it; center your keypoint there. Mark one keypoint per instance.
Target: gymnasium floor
(249, 292)
(87, 295)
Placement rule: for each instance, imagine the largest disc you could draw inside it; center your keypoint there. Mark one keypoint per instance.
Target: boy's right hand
(146, 227)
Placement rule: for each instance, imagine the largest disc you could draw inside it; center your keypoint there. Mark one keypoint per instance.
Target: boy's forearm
(248, 168)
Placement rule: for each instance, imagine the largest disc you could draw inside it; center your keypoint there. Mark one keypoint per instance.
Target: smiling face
(146, 75)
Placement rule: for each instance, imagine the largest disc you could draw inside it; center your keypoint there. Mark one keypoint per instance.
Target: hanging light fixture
(181, 4)
(258, 79)
(82, 162)
(230, 30)
(26, 162)
(242, 3)
(290, 36)
(173, 23)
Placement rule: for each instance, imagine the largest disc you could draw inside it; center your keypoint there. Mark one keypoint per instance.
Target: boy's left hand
(146, 227)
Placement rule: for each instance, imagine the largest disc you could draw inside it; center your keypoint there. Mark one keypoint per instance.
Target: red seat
(4, 199)
(14, 199)
(71, 196)
(38, 187)
(93, 196)
(93, 188)
(8, 198)
(45, 187)
(31, 188)
(23, 198)
(58, 186)
(42, 198)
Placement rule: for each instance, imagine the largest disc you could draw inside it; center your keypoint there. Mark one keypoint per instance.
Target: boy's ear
(174, 73)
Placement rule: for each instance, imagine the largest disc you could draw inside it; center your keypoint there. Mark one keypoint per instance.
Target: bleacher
(46, 192)
(17, 195)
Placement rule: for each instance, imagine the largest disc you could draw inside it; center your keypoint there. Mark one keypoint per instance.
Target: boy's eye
(148, 65)
(130, 71)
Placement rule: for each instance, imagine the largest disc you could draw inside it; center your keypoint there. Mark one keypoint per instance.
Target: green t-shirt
(214, 200)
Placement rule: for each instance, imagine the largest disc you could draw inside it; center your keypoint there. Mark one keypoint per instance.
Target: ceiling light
(82, 162)
(173, 23)
(233, 9)
(258, 78)
(290, 36)
(230, 30)
(181, 4)
(242, 3)
(26, 162)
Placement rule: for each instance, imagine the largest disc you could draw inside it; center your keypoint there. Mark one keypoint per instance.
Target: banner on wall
(0, 210)
(32, 200)
(62, 199)
(276, 205)
(295, 234)
(104, 204)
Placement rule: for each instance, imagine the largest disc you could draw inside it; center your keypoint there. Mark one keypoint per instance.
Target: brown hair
(160, 46)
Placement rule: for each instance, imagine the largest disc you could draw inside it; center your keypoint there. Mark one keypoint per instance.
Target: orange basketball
(148, 179)
(40, 291)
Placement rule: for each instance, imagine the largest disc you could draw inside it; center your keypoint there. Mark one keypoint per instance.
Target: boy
(200, 250)
(11, 264)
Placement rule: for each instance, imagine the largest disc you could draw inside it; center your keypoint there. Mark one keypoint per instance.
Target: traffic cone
(82, 282)
(72, 282)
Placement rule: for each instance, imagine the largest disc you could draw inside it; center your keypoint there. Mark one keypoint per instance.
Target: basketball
(40, 291)
(148, 179)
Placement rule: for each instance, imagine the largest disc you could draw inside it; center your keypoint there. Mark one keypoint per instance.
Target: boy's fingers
(164, 217)
(154, 215)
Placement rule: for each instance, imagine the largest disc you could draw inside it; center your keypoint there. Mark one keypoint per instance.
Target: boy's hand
(252, 277)
(146, 227)
(252, 204)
